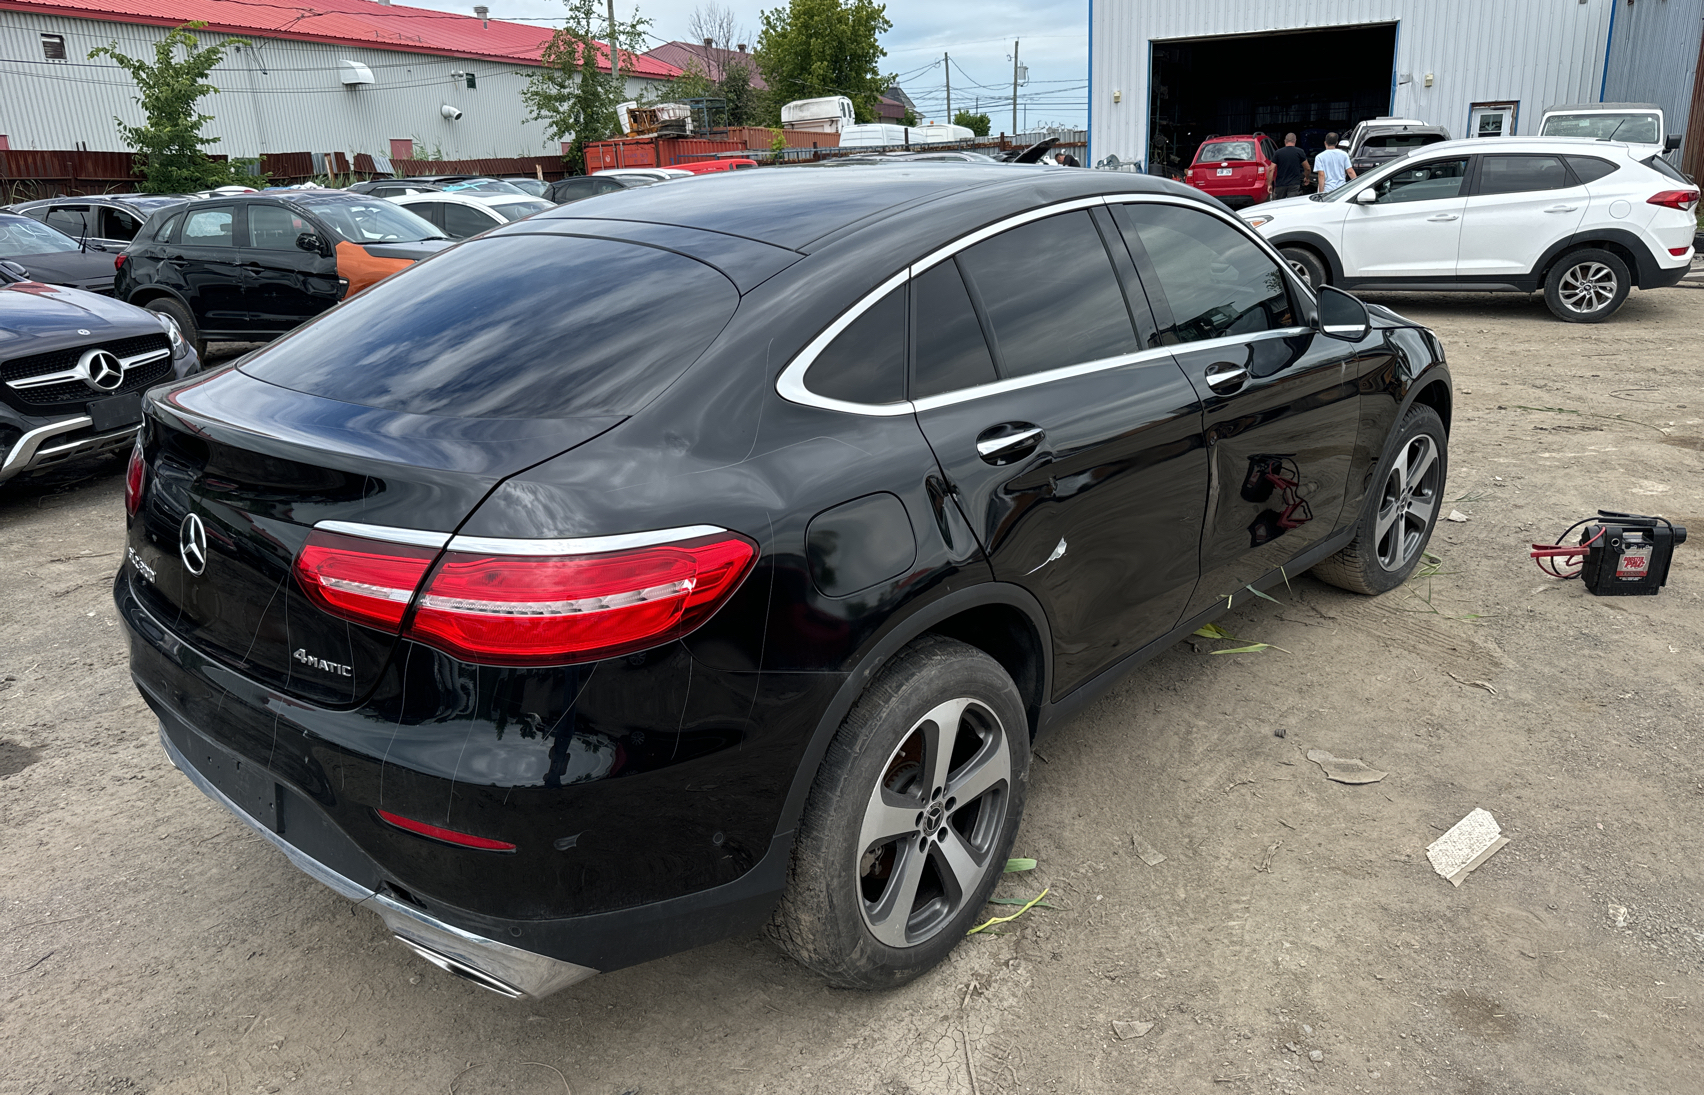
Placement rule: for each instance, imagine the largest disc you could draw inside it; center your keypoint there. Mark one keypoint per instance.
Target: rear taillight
(488, 603)
(367, 581)
(1189, 172)
(134, 476)
(506, 609)
(1683, 200)
(1260, 170)
(1679, 251)
(118, 261)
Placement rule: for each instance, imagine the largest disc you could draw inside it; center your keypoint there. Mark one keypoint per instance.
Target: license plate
(116, 413)
(1225, 170)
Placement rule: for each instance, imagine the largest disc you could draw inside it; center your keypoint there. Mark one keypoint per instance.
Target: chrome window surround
(491, 545)
(790, 385)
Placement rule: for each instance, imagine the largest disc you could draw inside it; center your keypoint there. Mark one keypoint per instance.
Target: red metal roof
(710, 60)
(341, 22)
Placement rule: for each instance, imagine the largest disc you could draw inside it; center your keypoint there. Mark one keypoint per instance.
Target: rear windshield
(512, 327)
(1634, 128)
(1226, 150)
(1396, 141)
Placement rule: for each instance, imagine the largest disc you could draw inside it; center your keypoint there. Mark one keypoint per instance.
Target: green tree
(747, 105)
(569, 94)
(909, 117)
(172, 150)
(824, 47)
(978, 124)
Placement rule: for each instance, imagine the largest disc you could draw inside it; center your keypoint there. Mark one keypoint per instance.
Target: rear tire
(907, 830)
(167, 306)
(1401, 509)
(1587, 286)
(1306, 265)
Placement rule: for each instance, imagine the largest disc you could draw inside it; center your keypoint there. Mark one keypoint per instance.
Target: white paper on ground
(1470, 842)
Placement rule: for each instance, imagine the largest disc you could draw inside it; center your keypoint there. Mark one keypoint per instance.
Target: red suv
(1236, 170)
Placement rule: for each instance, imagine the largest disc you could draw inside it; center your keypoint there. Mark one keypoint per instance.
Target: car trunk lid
(239, 471)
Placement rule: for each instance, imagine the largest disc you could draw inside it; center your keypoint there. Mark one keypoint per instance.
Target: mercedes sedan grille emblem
(192, 544)
(100, 370)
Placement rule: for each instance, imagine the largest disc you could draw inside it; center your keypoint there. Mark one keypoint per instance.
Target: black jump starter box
(1628, 555)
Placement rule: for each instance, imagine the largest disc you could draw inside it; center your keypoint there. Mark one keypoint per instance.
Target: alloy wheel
(1300, 269)
(1587, 287)
(1408, 503)
(933, 821)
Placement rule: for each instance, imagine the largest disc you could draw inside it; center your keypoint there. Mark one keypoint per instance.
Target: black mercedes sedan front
(693, 559)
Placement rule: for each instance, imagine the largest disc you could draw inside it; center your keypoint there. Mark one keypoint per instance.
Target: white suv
(1583, 221)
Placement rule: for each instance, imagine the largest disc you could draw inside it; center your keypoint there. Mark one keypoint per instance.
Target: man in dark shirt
(1292, 167)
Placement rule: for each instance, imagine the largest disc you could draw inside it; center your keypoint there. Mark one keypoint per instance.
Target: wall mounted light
(1118, 96)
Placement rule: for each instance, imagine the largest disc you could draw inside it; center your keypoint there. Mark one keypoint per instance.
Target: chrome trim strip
(390, 535)
(790, 385)
(582, 545)
(98, 441)
(524, 972)
(142, 359)
(24, 450)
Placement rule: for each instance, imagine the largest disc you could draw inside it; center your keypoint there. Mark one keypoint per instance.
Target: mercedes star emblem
(192, 544)
(100, 370)
(81, 331)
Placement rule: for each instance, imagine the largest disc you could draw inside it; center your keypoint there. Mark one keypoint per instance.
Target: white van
(1639, 124)
(887, 135)
(829, 114)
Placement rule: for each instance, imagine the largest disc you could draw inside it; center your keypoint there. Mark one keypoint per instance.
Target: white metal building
(352, 76)
(1166, 74)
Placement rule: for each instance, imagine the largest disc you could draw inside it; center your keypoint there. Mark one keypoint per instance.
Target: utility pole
(947, 64)
(1014, 87)
(614, 65)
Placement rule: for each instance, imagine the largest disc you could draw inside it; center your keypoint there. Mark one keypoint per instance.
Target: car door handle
(1226, 377)
(1008, 441)
(1443, 217)
(1562, 209)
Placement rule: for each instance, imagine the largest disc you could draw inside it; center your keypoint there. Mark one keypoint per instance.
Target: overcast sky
(1053, 36)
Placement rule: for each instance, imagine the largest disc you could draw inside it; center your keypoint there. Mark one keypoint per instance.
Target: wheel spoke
(1387, 517)
(887, 917)
(1421, 510)
(957, 864)
(991, 767)
(887, 816)
(940, 732)
(1420, 463)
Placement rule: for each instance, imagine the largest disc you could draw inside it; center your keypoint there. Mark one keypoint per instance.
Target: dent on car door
(1073, 447)
(1281, 401)
(287, 284)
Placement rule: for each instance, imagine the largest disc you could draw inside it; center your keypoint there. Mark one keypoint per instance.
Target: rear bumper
(508, 971)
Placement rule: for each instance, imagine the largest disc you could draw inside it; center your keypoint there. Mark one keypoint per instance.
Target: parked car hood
(82, 269)
(49, 316)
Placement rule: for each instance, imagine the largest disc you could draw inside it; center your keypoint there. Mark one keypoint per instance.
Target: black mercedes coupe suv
(689, 559)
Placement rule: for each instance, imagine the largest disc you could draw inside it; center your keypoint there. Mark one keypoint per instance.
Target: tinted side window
(207, 228)
(1050, 295)
(431, 211)
(461, 222)
(274, 228)
(1519, 174)
(1589, 169)
(951, 352)
(118, 225)
(167, 226)
(1215, 280)
(866, 362)
(516, 327)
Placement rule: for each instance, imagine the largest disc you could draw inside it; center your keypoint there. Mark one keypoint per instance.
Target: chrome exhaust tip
(462, 969)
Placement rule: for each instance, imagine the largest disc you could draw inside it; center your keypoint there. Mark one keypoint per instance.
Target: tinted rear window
(1401, 140)
(1589, 169)
(1226, 150)
(512, 327)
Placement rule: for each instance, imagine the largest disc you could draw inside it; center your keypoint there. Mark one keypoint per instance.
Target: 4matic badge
(320, 663)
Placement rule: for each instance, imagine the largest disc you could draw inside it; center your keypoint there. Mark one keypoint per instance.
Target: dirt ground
(1294, 939)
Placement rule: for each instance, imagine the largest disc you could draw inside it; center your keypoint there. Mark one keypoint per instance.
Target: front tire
(910, 820)
(1306, 265)
(1587, 286)
(1397, 521)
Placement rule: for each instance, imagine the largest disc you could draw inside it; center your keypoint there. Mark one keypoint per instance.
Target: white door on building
(1412, 229)
(1522, 203)
(1492, 120)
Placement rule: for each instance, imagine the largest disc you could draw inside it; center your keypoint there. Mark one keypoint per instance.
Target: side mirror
(14, 269)
(1671, 142)
(1366, 196)
(308, 241)
(1342, 316)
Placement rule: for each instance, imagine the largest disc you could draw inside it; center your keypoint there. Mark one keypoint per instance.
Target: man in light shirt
(1333, 165)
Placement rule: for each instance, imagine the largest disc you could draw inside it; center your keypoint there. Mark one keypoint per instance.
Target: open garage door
(1303, 82)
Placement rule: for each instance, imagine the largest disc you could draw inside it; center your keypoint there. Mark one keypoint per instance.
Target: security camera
(450, 112)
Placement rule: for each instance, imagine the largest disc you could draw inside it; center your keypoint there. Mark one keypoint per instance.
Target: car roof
(805, 208)
(452, 198)
(1579, 108)
(1525, 144)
